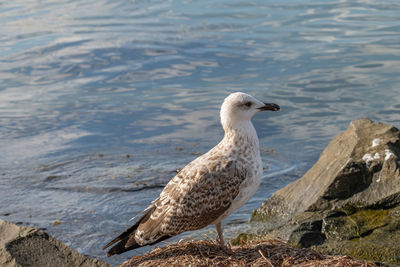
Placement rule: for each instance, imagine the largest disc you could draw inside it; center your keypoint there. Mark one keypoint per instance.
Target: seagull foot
(226, 248)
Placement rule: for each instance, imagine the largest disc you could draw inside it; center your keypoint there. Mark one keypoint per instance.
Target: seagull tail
(126, 240)
(122, 240)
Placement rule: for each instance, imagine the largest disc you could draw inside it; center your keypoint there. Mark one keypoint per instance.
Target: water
(101, 101)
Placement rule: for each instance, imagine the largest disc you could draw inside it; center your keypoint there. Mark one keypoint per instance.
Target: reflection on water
(101, 101)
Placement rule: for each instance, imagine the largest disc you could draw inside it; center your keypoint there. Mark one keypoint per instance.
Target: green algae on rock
(367, 234)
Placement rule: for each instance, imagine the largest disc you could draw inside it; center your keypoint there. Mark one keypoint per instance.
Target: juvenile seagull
(209, 188)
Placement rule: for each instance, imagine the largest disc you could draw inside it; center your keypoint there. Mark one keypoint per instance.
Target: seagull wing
(196, 197)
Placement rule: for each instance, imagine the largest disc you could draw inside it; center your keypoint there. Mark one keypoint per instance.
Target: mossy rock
(363, 248)
(348, 202)
(369, 234)
(356, 225)
(365, 234)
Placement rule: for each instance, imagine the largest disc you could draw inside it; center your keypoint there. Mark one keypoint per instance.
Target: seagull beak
(269, 106)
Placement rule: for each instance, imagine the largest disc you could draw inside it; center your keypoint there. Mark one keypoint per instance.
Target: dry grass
(258, 253)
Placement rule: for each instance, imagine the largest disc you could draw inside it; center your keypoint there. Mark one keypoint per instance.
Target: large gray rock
(27, 246)
(349, 201)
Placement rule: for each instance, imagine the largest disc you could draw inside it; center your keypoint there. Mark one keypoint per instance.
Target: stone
(349, 201)
(27, 246)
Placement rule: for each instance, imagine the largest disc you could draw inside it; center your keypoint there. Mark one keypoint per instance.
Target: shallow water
(101, 101)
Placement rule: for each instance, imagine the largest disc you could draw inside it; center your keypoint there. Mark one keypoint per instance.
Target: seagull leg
(220, 238)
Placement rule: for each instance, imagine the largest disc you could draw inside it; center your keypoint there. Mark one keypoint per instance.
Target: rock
(27, 246)
(349, 201)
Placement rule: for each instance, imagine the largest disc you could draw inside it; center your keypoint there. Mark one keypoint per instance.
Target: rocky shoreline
(348, 203)
(27, 246)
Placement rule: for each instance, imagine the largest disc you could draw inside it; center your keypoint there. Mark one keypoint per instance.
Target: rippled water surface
(101, 101)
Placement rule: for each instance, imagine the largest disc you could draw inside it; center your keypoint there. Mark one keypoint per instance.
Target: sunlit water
(102, 101)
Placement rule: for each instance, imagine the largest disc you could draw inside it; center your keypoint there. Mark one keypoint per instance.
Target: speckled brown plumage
(209, 188)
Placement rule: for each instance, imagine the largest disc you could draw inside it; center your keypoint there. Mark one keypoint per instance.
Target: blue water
(101, 101)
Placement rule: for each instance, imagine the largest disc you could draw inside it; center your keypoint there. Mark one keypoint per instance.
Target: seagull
(209, 188)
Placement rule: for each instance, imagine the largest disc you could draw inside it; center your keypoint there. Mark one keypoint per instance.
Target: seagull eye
(248, 104)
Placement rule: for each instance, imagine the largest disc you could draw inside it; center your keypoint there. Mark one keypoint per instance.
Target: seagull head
(241, 107)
